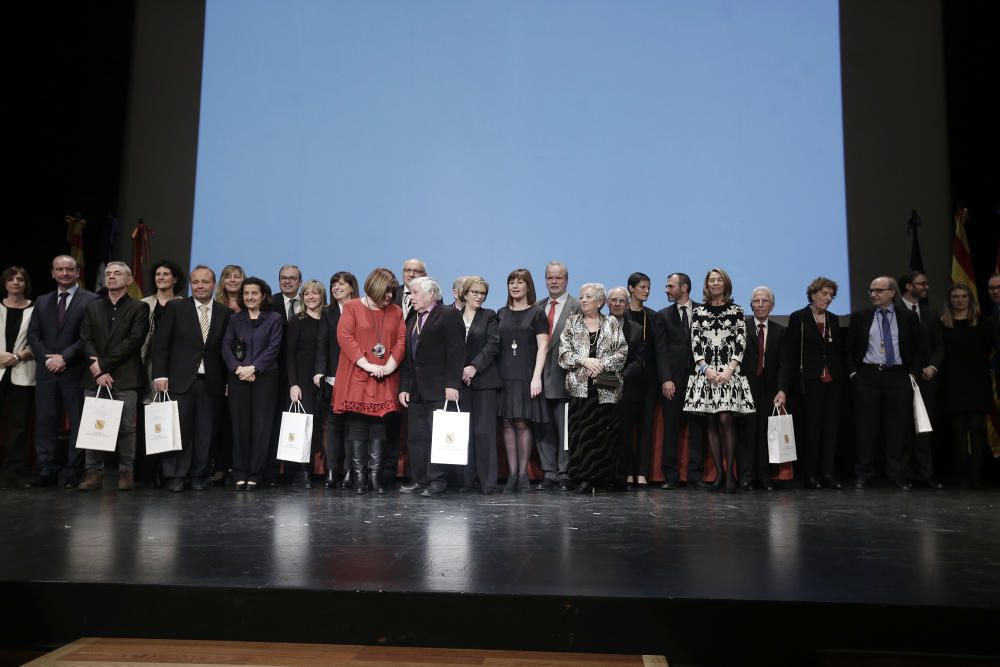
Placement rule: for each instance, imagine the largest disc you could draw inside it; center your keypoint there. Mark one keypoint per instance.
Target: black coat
(302, 337)
(119, 348)
(327, 345)
(674, 358)
(805, 349)
(912, 351)
(436, 363)
(481, 348)
(47, 336)
(178, 349)
(775, 377)
(635, 362)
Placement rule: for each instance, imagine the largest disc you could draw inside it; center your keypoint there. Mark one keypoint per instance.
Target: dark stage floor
(934, 554)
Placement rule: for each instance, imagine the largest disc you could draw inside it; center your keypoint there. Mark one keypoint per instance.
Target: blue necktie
(890, 355)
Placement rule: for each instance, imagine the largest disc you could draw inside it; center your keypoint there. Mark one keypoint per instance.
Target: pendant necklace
(378, 349)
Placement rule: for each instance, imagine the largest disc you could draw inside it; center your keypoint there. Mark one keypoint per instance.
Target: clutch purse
(607, 379)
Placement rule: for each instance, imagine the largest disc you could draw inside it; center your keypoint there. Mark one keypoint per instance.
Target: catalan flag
(140, 259)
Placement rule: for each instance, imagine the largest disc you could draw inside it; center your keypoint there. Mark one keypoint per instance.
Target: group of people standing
(555, 375)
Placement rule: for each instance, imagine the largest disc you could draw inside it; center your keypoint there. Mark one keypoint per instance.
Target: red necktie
(760, 349)
(552, 316)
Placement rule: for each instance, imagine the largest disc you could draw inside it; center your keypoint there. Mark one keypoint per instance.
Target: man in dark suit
(764, 367)
(558, 306)
(674, 363)
(113, 332)
(286, 302)
(431, 375)
(187, 362)
(914, 286)
(632, 386)
(54, 338)
(884, 347)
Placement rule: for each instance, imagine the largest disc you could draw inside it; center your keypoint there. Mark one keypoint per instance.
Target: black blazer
(45, 336)
(649, 374)
(911, 339)
(301, 350)
(632, 386)
(439, 357)
(930, 324)
(674, 358)
(397, 299)
(775, 376)
(178, 349)
(804, 342)
(327, 345)
(481, 348)
(118, 349)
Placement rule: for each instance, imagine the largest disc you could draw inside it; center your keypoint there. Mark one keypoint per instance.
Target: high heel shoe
(641, 482)
(331, 480)
(511, 485)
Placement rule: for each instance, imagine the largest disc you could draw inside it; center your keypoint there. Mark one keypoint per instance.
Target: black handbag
(607, 379)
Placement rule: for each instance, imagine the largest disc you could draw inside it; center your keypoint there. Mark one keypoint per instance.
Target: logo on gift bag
(291, 437)
(786, 438)
(157, 428)
(449, 438)
(99, 424)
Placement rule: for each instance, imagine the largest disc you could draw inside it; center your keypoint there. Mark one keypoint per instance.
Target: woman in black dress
(815, 351)
(302, 340)
(17, 370)
(965, 379)
(343, 288)
(640, 416)
(481, 383)
(592, 349)
(524, 339)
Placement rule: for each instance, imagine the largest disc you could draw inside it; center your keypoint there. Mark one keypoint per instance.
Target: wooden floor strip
(96, 652)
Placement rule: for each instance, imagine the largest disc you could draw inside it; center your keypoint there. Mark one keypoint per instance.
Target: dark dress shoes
(564, 485)
(860, 484)
(831, 482)
(199, 485)
(746, 486)
(41, 482)
(670, 486)
(411, 488)
(903, 486)
(929, 483)
(546, 485)
(813, 483)
(175, 485)
(433, 490)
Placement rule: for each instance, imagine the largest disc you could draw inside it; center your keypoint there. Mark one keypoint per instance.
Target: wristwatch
(17, 358)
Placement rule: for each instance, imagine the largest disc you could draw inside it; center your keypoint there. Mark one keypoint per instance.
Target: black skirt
(516, 403)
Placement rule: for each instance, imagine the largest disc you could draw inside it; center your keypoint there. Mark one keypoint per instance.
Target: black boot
(359, 452)
(345, 482)
(375, 449)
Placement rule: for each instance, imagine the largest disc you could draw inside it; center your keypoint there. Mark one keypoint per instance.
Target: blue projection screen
(616, 136)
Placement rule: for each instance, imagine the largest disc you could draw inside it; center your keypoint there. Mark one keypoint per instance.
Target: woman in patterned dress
(718, 389)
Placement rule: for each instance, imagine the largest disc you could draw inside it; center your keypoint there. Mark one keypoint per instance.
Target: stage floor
(640, 560)
(878, 546)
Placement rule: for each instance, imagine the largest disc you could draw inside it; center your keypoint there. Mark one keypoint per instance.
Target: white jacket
(23, 374)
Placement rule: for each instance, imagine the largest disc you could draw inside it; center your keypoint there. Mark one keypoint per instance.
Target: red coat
(359, 329)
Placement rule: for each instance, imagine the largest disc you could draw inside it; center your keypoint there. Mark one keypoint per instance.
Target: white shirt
(911, 306)
(756, 328)
(72, 293)
(560, 304)
(197, 310)
(298, 304)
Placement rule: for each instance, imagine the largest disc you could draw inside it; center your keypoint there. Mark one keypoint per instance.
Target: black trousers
(817, 428)
(52, 396)
(15, 409)
(882, 399)
(336, 457)
(751, 455)
(482, 464)
(922, 444)
(251, 411)
(674, 418)
(420, 424)
(199, 415)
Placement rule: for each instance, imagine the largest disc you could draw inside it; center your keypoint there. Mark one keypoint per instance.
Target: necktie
(552, 315)
(203, 320)
(760, 349)
(61, 310)
(890, 354)
(421, 318)
(407, 304)
(291, 307)
(915, 310)
(684, 319)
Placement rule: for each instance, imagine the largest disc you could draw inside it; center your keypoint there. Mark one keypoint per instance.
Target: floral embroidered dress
(718, 336)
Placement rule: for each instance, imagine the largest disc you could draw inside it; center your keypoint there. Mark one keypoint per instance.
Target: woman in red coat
(372, 337)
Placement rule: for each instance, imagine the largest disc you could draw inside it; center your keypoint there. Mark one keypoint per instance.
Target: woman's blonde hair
(727, 282)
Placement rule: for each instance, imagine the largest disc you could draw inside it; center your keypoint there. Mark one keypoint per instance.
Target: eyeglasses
(288, 279)
(475, 292)
(618, 301)
(879, 290)
(414, 271)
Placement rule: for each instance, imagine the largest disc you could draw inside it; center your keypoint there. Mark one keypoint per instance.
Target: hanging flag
(140, 258)
(75, 222)
(912, 225)
(961, 257)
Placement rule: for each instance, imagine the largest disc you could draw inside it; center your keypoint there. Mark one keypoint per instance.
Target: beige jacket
(23, 374)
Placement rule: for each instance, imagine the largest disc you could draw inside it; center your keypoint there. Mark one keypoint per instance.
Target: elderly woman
(372, 340)
(480, 383)
(17, 370)
(592, 349)
(524, 340)
(230, 284)
(966, 379)
(301, 341)
(629, 405)
(250, 350)
(814, 352)
(343, 288)
(718, 388)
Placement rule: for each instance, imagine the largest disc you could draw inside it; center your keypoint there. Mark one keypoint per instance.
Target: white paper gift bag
(450, 436)
(780, 437)
(921, 420)
(99, 422)
(295, 435)
(163, 425)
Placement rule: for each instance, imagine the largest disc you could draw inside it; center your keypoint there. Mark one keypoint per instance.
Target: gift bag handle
(161, 397)
(446, 402)
(297, 407)
(775, 410)
(111, 396)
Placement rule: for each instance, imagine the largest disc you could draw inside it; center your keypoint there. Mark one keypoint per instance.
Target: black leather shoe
(930, 483)
(546, 485)
(488, 490)
(564, 485)
(462, 489)
(433, 490)
(175, 485)
(813, 483)
(199, 485)
(670, 486)
(41, 482)
(767, 486)
(411, 488)
(830, 482)
(708, 486)
(903, 486)
(860, 484)
(746, 486)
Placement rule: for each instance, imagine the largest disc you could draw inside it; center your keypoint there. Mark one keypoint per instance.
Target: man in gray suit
(558, 306)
